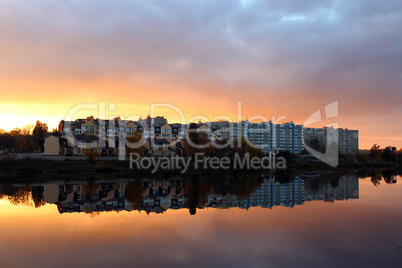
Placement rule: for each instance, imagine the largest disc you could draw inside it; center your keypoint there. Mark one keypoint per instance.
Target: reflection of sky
(348, 233)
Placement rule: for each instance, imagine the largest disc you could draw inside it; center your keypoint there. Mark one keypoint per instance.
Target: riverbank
(31, 170)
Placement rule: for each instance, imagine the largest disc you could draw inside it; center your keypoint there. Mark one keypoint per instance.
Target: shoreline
(30, 170)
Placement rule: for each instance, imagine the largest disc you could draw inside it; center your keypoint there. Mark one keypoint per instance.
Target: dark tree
(135, 144)
(134, 192)
(375, 178)
(375, 151)
(388, 154)
(362, 158)
(289, 157)
(38, 133)
(315, 145)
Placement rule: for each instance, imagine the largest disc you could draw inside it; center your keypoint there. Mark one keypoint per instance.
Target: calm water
(302, 221)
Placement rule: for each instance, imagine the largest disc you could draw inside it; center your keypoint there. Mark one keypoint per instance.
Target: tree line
(26, 139)
(387, 154)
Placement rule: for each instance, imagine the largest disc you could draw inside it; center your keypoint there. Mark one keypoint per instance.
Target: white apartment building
(265, 135)
(347, 140)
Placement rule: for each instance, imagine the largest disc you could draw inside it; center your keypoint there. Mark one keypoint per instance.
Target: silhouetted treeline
(387, 154)
(29, 138)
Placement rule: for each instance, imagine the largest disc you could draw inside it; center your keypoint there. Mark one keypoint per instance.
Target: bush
(105, 167)
(7, 161)
(362, 158)
(92, 154)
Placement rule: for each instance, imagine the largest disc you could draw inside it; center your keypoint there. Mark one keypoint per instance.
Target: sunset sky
(278, 58)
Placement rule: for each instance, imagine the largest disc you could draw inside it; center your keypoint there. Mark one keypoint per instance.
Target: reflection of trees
(389, 176)
(21, 196)
(204, 189)
(27, 196)
(95, 213)
(197, 190)
(362, 173)
(90, 210)
(375, 178)
(333, 179)
(191, 192)
(91, 187)
(221, 184)
(244, 186)
(284, 176)
(37, 196)
(134, 191)
(323, 181)
(314, 184)
(334, 183)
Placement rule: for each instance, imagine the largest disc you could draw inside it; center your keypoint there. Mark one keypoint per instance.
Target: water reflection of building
(157, 196)
(343, 189)
(271, 193)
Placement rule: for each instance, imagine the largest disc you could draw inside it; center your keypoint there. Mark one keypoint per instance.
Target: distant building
(290, 137)
(109, 136)
(347, 140)
(57, 144)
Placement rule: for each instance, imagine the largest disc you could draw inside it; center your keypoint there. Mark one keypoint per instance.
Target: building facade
(109, 136)
(346, 140)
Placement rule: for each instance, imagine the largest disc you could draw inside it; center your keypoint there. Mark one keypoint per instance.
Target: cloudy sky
(278, 58)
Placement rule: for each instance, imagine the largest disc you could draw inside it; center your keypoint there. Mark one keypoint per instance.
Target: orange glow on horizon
(50, 102)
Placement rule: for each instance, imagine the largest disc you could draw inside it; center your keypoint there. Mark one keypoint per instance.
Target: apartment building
(347, 140)
(263, 135)
(267, 136)
(290, 137)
